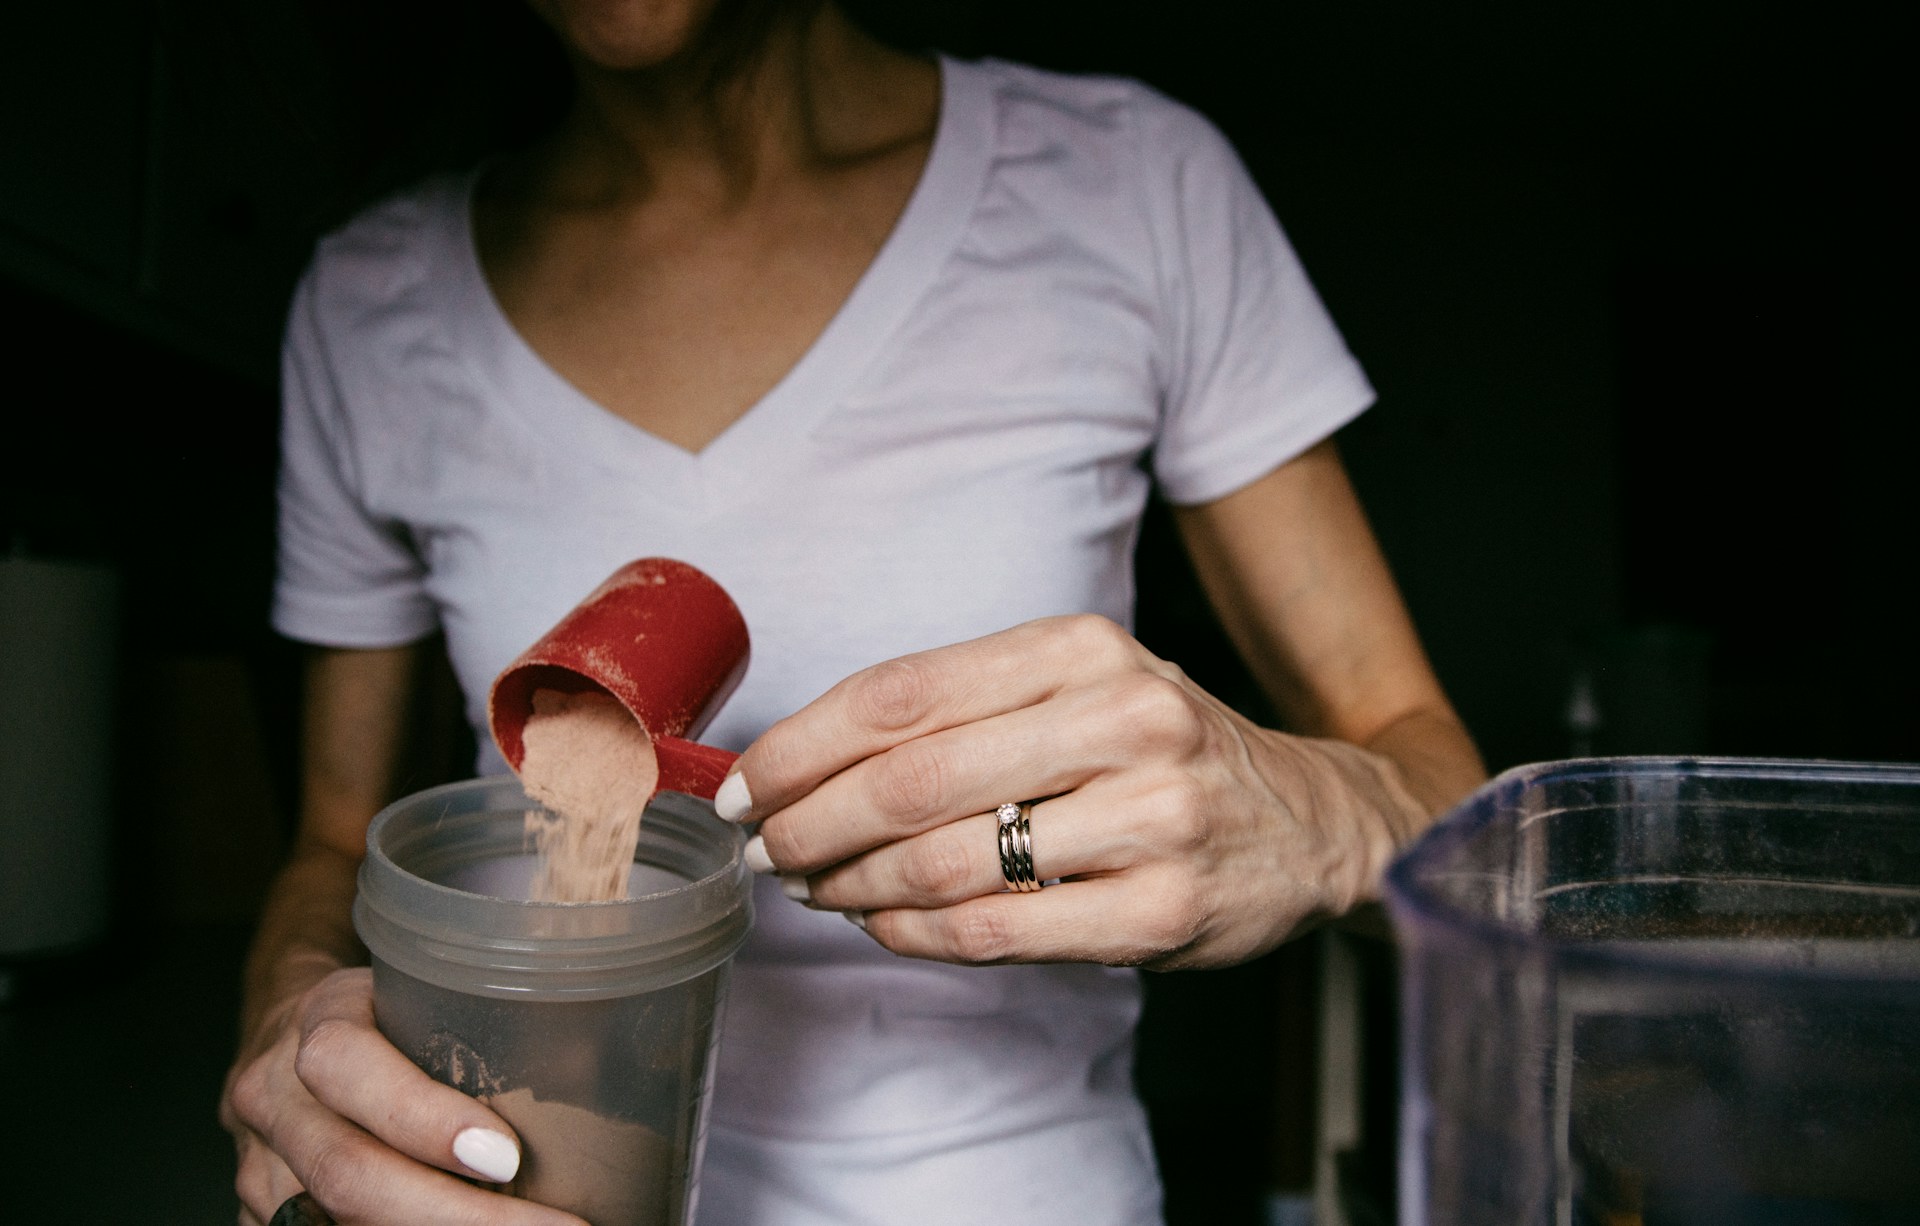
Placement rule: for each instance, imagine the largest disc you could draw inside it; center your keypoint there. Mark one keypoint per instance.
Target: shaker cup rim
(490, 945)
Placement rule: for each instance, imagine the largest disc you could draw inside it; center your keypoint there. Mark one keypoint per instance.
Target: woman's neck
(721, 121)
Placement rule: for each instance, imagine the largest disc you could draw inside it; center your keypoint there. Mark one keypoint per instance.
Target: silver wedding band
(1016, 847)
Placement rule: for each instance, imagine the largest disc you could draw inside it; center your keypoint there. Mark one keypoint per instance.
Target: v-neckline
(565, 418)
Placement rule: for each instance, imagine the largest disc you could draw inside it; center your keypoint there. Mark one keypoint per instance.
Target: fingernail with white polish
(731, 800)
(857, 918)
(491, 1155)
(757, 858)
(796, 888)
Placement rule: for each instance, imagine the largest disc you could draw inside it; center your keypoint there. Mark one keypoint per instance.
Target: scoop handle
(690, 767)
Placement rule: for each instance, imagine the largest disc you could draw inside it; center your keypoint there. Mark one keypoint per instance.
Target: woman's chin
(626, 35)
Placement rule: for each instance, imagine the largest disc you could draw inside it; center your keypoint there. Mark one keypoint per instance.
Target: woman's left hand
(1181, 834)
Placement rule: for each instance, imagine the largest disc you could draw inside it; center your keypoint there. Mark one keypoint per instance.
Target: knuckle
(937, 869)
(337, 1176)
(1156, 709)
(1167, 669)
(981, 935)
(893, 695)
(912, 781)
(1183, 916)
(316, 1004)
(783, 760)
(790, 849)
(248, 1096)
(1174, 921)
(1099, 641)
(774, 756)
(321, 1041)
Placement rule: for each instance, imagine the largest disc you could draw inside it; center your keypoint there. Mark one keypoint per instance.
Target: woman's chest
(961, 454)
(678, 326)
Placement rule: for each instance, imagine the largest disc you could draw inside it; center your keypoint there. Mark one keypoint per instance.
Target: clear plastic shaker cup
(589, 1027)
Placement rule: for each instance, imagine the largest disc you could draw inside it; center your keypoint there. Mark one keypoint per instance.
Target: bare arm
(354, 712)
(1292, 568)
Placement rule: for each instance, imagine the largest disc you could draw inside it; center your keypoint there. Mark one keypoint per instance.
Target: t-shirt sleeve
(344, 577)
(1256, 371)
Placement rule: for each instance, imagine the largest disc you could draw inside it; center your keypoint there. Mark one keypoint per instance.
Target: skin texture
(621, 248)
(1187, 835)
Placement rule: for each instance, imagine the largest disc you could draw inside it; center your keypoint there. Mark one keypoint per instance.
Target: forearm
(1299, 582)
(355, 704)
(305, 933)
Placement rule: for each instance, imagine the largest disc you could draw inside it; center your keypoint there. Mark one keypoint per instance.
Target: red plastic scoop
(659, 636)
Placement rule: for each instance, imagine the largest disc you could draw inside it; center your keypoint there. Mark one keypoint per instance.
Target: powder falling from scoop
(592, 766)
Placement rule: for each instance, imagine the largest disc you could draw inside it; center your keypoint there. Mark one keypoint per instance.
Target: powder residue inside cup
(611, 1172)
(593, 767)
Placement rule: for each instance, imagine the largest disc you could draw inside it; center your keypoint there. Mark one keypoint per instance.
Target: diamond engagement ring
(1016, 847)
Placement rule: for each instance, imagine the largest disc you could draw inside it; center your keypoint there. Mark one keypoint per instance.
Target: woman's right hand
(320, 1101)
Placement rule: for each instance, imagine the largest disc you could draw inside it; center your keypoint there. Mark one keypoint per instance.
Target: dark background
(1629, 278)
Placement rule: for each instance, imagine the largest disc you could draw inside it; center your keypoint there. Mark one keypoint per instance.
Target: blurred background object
(60, 621)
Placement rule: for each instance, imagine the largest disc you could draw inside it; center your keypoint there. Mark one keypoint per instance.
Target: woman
(882, 343)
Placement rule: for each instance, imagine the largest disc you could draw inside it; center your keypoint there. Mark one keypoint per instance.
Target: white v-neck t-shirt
(1084, 294)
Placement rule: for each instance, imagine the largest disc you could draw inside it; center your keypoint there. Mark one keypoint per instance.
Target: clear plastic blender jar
(1640, 991)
